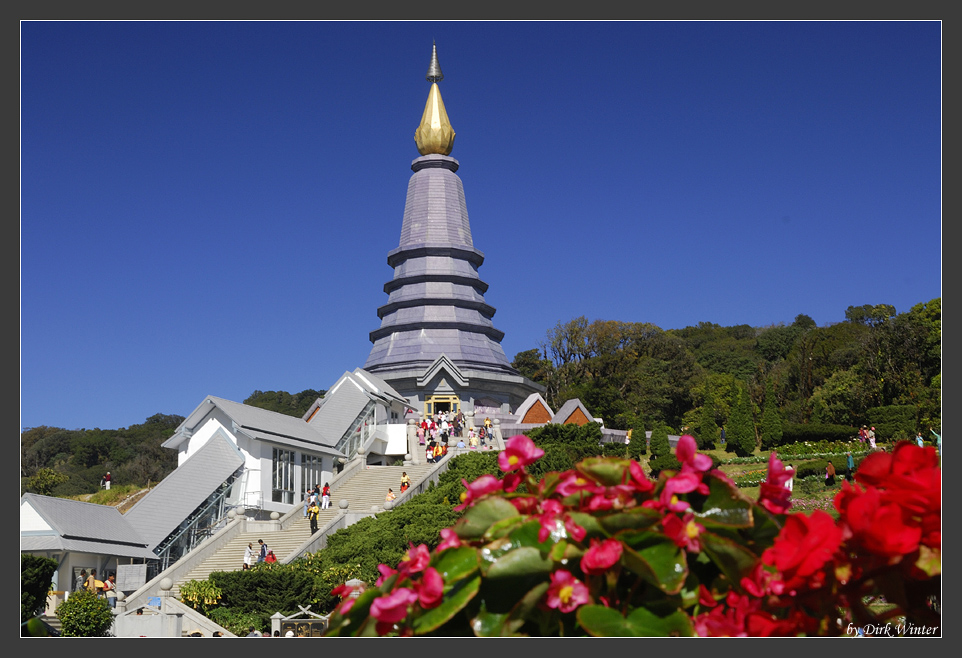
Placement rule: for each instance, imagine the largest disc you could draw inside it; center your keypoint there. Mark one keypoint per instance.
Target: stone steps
(364, 491)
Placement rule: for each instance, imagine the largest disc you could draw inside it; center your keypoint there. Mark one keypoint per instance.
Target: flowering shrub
(602, 550)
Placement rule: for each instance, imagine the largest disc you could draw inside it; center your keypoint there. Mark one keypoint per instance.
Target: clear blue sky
(207, 207)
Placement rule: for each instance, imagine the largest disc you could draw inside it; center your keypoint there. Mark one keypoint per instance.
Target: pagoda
(437, 344)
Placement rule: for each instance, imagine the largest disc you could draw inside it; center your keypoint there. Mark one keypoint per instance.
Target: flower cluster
(603, 550)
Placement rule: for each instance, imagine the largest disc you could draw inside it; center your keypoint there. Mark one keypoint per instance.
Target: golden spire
(435, 134)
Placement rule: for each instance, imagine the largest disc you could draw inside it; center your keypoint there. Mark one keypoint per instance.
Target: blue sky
(207, 207)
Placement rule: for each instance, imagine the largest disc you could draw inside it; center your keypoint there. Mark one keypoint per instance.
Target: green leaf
(456, 563)
(605, 470)
(637, 518)
(734, 560)
(491, 624)
(519, 562)
(482, 515)
(600, 621)
(454, 601)
(655, 558)
(725, 506)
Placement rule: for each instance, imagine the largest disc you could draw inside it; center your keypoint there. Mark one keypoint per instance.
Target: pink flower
(566, 593)
(617, 497)
(518, 452)
(679, 484)
(601, 556)
(639, 479)
(415, 560)
(687, 453)
(573, 482)
(773, 495)
(449, 539)
(393, 607)
(430, 589)
(386, 572)
(481, 487)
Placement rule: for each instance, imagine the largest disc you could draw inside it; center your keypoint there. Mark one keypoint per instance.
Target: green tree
(36, 575)
(707, 427)
(84, 614)
(45, 480)
(662, 457)
(771, 419)
(741, 428)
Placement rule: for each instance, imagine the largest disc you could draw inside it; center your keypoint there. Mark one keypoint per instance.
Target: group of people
(100, 588)
(257, 555)
(311, 506)
(867, 435)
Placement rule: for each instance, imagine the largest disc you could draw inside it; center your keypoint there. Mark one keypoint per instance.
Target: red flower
(430, 589)
(519, 451)
(601, 556)
(882, 526)
(683, 531)
(566, 593)
(415, 560)
(393, 607)
(803, 547)
(573, 482)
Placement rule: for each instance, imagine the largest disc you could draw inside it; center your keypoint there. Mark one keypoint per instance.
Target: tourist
(871, 438)
(110, 590)
(790, 482)
(405, 481)
(312, 512)
(263, 551)
(326, 496)
(938, 440)
(830, 475)
(849, 466)
(390, 496)
(248, 555)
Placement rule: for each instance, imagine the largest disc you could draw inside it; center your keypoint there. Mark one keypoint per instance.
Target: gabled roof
(569, 408)
(443, 364)
(531, 401)
(81, 527)
(379, 388)
(159, 513)
(257, 423)
(343, 403)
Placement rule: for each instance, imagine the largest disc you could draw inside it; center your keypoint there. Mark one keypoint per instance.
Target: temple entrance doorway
(449, 404)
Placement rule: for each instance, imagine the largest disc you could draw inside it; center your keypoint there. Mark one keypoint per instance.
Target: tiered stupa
(437, 344)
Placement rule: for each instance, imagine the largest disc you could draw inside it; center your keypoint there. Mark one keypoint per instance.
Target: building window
(310, 471)
(282, 476)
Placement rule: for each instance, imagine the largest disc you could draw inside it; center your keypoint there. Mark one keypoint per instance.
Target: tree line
(637, 375)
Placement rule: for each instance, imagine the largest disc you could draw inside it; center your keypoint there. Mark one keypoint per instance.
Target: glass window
(282, 490)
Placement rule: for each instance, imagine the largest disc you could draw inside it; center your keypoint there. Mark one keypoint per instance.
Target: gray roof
(528, 403)
(569, 408)
(260, 424)
(343, 402)
(83, 527)
(162, 510)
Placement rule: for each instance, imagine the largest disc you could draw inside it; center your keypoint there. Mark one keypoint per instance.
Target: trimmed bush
(84, 614)
(794, 433)
(894, 422)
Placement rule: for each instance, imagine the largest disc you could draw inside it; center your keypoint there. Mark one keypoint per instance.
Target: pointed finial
(434, 70)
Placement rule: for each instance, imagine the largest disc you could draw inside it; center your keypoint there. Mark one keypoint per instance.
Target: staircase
(363, 491)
